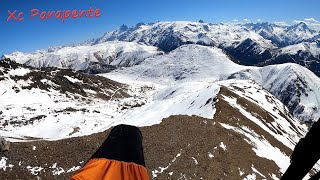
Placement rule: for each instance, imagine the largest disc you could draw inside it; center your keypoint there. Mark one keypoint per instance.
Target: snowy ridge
(186, 63)
(119, 54)
(192, 98)
(294, 85)
(312, 48)
(281, 127)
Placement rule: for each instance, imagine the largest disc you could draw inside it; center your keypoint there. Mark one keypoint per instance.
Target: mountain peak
(3, 57)
(123, 27)
(301, 26)
(260, 26)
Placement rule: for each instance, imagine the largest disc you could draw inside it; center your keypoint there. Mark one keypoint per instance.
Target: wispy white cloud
(246, 20)
(281, 23)
(311, 20)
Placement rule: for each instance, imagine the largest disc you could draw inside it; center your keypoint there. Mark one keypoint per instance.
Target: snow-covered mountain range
(151, 74)
(267, 35)
(248, 44)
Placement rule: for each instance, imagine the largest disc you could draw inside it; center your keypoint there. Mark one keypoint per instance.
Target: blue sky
(30, 35)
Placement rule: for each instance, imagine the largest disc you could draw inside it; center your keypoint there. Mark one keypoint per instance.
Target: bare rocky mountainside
(213, 101)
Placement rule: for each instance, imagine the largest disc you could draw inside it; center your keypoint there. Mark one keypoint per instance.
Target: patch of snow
(223, 146)
(35, 170)
(274, 177)
(241, 172)
(195, 160)
(162, 169)
(250, 177)
(3, 164)
(73, 80)
(19, 72)
(48, 82)
(74, 168)
(24, 83)
(90, 91)
(256, 171)
(56, 170)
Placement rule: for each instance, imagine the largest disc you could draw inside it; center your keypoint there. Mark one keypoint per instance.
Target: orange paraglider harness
(120, 157)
